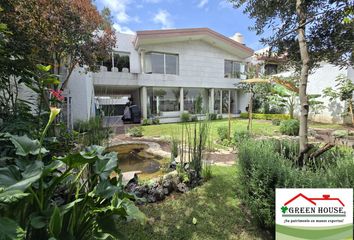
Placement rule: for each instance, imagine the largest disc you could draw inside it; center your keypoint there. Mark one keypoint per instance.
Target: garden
(211, 178)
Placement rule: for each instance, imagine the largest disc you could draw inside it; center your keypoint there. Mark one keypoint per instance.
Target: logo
(313, 212)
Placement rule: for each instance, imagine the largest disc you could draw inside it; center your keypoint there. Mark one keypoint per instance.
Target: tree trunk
(303, 141)
(351, 110)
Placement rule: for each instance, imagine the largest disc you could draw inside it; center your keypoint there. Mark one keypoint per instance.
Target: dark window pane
(171, 64)
(157, 63)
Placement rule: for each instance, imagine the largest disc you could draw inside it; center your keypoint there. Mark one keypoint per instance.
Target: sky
(219, 15)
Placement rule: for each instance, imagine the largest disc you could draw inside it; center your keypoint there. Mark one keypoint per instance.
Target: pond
(134, 157)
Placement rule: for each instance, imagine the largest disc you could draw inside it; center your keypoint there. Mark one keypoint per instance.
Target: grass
(215, 206)
(259, 127)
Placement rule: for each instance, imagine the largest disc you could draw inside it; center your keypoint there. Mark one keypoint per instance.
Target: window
(161, 63)
(162, 100)
(270, 69)
(232, 69)
(121, 61)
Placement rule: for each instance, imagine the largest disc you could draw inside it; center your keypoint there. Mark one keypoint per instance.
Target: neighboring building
(164, 72)
(320, 78)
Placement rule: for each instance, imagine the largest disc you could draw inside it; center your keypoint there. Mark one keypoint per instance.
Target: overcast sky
(133, 15)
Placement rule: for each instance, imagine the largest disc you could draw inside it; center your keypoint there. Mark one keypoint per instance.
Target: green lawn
(260, 127)
(214, 205)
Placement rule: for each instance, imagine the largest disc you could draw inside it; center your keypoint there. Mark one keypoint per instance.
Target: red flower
(57, 94)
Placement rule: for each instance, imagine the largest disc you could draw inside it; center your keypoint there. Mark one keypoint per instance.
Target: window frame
(164, 62)
(233, 72)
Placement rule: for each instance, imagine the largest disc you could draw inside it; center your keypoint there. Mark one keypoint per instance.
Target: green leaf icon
(284, 209)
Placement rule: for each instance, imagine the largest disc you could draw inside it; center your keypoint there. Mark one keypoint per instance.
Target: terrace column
(181, 100)
(142, 59)
(211, 101)
(220, 91)
(144, 102)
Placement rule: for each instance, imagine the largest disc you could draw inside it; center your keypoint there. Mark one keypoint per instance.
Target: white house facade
(164, 73)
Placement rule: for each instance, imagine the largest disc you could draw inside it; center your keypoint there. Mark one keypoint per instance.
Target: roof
(312, 200)
(174, 35)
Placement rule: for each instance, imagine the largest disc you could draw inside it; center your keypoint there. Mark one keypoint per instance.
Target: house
(165, 73)
(322, 77)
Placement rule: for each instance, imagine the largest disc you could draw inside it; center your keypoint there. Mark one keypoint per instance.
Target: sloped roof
(206, 34)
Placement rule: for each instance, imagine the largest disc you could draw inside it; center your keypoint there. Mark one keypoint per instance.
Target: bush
(146, 122)
(194, 118)
(276, 122)
(267, 165)
(92, 132)
(185, 117)
(290, 127)
(212, 116)
(240, 136)
(155, 121)
(220, 116)
(223, 133)
(135, 132)
(266, 116)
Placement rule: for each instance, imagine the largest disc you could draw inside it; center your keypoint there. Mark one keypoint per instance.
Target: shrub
(290, 127)
(194, 118)
(155, 121)
(48, 197)
(207, 172)
(223, 133)
(185, 117)
(92, 132)
(220, 116)
(266, 116)
(276, 122)
(146, 122)
(267, 165)
(240, 136)
(135, 132)
(212, 116)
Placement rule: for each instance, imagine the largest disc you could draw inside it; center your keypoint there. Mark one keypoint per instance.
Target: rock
(173, 165)
(168, 184)
(141, 191)
(156, 194)
(182, 187)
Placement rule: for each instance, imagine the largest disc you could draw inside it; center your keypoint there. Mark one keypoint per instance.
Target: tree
(64, 33)
(344, 91)
(309, 32)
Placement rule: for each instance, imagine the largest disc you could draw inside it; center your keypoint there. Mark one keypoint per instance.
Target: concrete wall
(320, 79)
(125, 44)
(82, 94)
(200, 65)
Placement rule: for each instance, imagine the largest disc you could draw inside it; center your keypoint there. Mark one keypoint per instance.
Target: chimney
(238, 37)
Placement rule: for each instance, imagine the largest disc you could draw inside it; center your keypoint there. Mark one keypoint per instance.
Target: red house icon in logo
(325, 197)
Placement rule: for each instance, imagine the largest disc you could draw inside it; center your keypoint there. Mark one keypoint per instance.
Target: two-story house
(165, 72)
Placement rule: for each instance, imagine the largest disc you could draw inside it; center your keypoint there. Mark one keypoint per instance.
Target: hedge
(266, 116)
(265, 165)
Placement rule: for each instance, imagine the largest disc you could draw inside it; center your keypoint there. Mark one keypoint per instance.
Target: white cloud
(122, 29)
(163, 17)
(152, 1)
(202, 3)
(119, 9)
(225, 4)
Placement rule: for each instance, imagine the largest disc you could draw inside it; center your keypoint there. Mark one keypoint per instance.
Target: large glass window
(217, 100)
(163, 100)
(225, 101)
(232, 69)
(161, 63)
(194, 100)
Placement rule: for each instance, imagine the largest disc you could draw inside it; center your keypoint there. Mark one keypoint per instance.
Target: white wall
(125, 44)
(82, 94)
(200, 65)
(320, 79)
